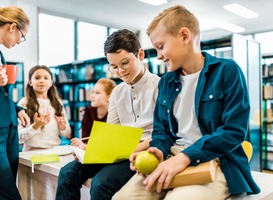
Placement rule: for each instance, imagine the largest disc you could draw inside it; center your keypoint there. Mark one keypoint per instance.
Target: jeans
(107, 179)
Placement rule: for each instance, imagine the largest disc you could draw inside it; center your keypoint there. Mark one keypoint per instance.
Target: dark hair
(32, 102)
(122, 40)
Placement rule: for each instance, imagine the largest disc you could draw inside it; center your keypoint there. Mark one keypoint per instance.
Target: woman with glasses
(14, 25)
(131, 104)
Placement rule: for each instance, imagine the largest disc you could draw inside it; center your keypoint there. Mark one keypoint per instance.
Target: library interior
(69, 36)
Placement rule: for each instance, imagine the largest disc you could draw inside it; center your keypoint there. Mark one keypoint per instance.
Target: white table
(42, 184)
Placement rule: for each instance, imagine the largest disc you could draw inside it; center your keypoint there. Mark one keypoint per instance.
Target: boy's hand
(165, 172)
(158, 154)
(76, 142)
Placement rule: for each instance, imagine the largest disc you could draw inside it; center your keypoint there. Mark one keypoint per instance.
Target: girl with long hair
(44, 107)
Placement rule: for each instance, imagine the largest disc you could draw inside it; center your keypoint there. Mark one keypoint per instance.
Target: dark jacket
(222, 109)
(8, 109)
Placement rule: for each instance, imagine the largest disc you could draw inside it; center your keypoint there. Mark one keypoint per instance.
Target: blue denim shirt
(222, 110)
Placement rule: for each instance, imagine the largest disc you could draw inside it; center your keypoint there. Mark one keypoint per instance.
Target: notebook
(43, 158)
(109, 143)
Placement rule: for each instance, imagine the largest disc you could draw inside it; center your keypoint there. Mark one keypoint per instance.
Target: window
(56, 40)
(91, 38)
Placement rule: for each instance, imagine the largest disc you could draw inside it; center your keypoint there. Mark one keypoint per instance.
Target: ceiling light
(241, 11)
(231, 27)
(155, 2)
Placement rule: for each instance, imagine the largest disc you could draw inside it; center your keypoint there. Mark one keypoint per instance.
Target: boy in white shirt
(132, 104)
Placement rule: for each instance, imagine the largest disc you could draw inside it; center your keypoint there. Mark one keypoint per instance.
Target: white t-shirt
(184, 111)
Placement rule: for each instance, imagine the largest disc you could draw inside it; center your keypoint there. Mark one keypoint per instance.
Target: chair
(247, 146)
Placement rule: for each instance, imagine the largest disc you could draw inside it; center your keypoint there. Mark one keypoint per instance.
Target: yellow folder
(109, 143)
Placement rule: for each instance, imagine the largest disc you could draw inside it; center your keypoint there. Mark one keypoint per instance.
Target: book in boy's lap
(194, 175)
(109, 143)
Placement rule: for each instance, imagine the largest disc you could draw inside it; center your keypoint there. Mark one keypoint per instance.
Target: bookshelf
(267, 74)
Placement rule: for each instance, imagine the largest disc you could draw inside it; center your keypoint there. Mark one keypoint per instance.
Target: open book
(109, 143)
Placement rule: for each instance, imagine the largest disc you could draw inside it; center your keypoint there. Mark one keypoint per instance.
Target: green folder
(44, 158)
(110, 143)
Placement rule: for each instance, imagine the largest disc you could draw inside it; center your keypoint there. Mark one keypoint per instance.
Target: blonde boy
(202, 109)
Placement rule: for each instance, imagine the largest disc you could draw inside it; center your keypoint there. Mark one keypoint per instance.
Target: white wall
(27, 52)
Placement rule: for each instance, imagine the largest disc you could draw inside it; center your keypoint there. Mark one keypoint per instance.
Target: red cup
(12, 71)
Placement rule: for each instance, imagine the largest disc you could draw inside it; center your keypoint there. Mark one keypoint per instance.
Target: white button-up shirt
(133, 105)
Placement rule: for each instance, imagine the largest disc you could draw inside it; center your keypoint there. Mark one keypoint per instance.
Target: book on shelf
(109, 143)
(65, 76)
(81, 94)
(89, 72)
(80, 113)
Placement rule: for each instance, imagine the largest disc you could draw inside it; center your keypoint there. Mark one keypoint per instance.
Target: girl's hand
(3, 77)
(42, 120)
(61, 121)
(76, 142)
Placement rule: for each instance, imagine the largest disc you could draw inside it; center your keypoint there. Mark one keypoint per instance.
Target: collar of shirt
(141, 82)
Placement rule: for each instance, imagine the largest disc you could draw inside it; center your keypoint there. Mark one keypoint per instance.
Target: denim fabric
(107, 179)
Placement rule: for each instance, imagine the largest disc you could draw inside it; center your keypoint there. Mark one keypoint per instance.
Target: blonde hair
(14, 14)
(174, 18)
(108, 85)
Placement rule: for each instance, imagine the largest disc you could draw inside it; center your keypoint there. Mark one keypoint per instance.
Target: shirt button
(171, 130)
(134, 98)
(211, 96)
(168, 111)
(132, 87)
(5, 94)
(164, 101)
(137, 116)
(197, 161)
(177, 89)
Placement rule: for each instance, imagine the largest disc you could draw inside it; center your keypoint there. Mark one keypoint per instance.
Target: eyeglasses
(23, 38)
(125, 64)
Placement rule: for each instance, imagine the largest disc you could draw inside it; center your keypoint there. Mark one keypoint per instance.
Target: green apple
(145, 162)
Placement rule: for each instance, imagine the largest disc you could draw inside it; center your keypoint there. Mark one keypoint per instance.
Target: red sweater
(90, 114)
